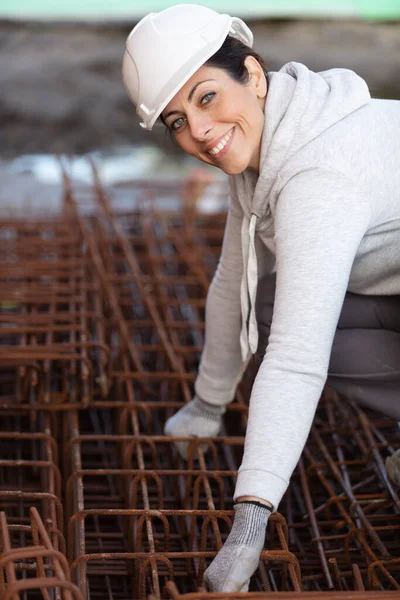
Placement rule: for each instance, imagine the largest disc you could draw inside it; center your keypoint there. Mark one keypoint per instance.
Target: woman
(312, 236)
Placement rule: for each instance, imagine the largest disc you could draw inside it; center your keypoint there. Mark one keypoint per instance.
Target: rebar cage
(102, 327)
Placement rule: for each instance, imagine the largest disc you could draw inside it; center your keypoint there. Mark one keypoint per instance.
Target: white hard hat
(166, 48)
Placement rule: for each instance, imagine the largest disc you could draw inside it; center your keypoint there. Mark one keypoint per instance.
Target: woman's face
(218, 120)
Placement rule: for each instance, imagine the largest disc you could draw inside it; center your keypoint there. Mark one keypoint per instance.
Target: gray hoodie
(324, 212)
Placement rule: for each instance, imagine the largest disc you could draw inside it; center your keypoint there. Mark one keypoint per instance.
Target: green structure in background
(135, 9)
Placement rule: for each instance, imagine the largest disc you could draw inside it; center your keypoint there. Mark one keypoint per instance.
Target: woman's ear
(257, 76)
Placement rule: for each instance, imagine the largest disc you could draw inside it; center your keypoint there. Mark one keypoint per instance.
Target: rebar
(40, 557)
(101, 331)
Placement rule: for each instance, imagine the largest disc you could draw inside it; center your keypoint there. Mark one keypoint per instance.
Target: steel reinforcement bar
(102, 334)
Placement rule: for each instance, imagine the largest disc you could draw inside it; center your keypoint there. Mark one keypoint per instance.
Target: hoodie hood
(300, 106)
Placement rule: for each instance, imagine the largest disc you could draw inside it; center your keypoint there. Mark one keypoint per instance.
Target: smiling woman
(221, 109)
(217, 115)
(309, 277)
(218, 119)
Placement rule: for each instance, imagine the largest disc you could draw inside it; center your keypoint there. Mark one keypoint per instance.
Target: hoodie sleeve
(320, 220)
(220, 367)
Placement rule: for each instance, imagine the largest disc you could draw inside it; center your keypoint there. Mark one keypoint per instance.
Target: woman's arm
(320, 220)
(221, 365)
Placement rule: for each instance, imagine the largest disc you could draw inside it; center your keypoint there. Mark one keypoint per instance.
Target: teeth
(221, 145)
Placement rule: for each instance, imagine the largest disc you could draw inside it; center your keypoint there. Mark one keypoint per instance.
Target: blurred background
(61, 90)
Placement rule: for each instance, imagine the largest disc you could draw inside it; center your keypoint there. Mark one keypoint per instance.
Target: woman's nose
(200, 125)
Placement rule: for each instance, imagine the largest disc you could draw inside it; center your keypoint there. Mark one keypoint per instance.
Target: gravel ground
(61, 88)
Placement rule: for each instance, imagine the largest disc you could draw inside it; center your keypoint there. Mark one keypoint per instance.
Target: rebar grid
(168, 543)
(50, 328)
(139, 520)
(29, 468)
(346, 501)
(139, 470)
(38, 565)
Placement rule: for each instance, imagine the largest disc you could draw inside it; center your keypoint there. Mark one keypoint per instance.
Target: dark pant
(365, 356)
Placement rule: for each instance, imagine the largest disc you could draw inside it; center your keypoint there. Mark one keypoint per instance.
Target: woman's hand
(196, 419)
(237, 560)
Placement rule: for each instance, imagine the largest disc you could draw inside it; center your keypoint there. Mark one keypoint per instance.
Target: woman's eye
(205, 99)
(175, 125)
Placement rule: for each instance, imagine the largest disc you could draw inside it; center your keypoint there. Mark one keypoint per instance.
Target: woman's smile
(218, 148)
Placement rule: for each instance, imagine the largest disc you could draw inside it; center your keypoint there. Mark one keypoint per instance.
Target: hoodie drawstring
(248, 289)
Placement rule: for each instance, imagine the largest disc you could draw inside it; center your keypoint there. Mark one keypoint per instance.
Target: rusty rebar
(101, 332)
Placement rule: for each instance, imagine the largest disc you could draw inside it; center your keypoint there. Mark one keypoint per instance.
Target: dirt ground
(61, 87)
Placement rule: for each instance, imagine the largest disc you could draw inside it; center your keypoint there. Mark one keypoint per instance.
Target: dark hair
(230, 57)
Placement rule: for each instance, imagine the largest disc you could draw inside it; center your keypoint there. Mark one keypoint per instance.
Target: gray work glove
(235, 563)
(195, 419)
